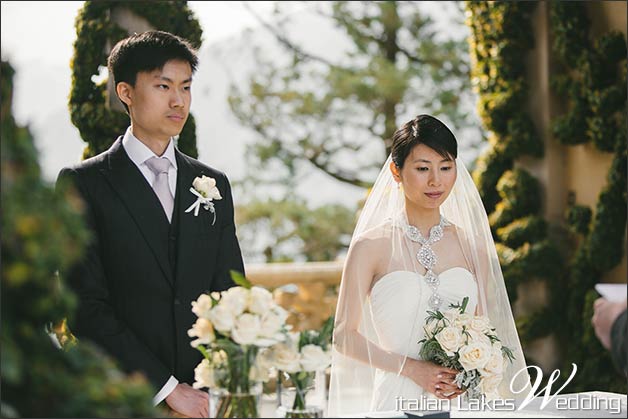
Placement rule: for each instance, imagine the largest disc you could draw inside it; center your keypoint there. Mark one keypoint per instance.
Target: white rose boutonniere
(205, 190)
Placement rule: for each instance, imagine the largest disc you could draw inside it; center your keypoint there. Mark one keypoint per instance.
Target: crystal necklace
(427, 257)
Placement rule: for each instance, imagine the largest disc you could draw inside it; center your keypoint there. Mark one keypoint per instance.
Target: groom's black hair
(147, 51)
(424, 129)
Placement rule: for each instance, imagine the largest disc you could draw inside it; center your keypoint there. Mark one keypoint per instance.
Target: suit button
(177, 302)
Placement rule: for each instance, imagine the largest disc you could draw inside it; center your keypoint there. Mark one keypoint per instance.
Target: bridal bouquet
(469, 344)
(299, 358)
(231, 328)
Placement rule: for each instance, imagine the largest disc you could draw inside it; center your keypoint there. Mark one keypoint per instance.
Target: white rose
(450, 316)
(480, 324)
(246, 329)
(260, 301)
(450, 339)
(222, 318)
(272, 322)
(286, 358)
(462, 320)
(474, 355)
(236, 299)
(488, 384)
(203, 375)
(260, 371)
(206, 186)
(202, 306)
(475, 337)
(203, 330)
(494, 365)
(313, 358)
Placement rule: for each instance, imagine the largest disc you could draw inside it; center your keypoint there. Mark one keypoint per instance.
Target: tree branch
(286, 42)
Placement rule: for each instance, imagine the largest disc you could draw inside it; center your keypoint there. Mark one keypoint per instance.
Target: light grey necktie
(159, 166)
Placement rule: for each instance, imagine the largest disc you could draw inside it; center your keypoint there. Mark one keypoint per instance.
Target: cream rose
(474, 355)
(480, 324)
(204, 375)
(260, 300)
(203, 330)
(494, 365)
(272, 323)
(236, 299)
(286, 358)
(450, 339)
(478, 337)
(202, 306)
(450, 316)
(489, 384)
(222, 318)
(462, 320)
(313, 358)
(246, 329)
(206, 186)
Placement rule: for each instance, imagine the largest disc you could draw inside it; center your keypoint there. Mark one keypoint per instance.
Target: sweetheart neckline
(418, 274)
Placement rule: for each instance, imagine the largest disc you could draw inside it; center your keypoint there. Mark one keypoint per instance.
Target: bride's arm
(358, 273)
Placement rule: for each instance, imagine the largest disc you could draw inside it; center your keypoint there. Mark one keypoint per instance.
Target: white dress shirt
(138, 152)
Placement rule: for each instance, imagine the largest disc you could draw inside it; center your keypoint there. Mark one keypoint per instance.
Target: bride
(421, 243)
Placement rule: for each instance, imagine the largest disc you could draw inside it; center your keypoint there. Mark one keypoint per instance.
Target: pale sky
(43, 31)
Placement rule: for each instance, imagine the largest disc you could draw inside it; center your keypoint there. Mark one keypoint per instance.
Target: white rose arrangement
(468, 344)
(300, 356)
(231, 328)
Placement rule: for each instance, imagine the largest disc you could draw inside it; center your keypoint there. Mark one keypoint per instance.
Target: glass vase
(225, 404)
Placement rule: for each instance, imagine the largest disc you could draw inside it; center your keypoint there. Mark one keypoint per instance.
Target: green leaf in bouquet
(202, 350)
(240, 279)
(507, 353)
(325, 334)
(462, 306)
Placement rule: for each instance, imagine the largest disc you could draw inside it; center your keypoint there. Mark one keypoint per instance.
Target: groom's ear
(124, 91)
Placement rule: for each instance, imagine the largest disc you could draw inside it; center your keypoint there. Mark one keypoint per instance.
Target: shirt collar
(138, 151)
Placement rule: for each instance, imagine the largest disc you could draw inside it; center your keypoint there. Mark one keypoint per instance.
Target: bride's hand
(433, 378)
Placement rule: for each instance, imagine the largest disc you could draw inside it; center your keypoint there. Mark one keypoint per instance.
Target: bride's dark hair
(424, 129)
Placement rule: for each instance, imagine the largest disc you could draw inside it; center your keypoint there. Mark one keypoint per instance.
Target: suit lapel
(141, 203)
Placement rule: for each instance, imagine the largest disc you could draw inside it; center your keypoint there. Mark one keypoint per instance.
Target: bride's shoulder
(375, 237)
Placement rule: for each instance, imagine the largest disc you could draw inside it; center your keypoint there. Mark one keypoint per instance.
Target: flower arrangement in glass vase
(231, 328)
(299, 358)
(468, 344)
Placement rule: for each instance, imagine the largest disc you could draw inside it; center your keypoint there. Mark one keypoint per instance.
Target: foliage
(501, 34)
(520, 193)
(295, 229)
(42, 231)
(593, 81)
(98, 124)
(527, 229)
(338, 117)
(501, 37)
(592, 77)
(578, 217)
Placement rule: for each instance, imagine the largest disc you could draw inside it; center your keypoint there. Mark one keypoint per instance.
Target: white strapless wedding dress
(399, 303)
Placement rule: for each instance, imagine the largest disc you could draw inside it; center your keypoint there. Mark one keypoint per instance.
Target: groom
(148, 258)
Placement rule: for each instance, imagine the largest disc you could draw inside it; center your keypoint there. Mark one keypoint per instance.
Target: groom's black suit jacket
(139, 275)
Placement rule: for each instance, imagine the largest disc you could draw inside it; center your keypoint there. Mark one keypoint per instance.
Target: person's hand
(433, 378)
(604, 315)
(188, 401)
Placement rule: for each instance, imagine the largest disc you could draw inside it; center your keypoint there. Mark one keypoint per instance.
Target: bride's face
(426, 176)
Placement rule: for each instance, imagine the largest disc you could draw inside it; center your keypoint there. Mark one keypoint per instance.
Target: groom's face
(159, 103)
(427, 177)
